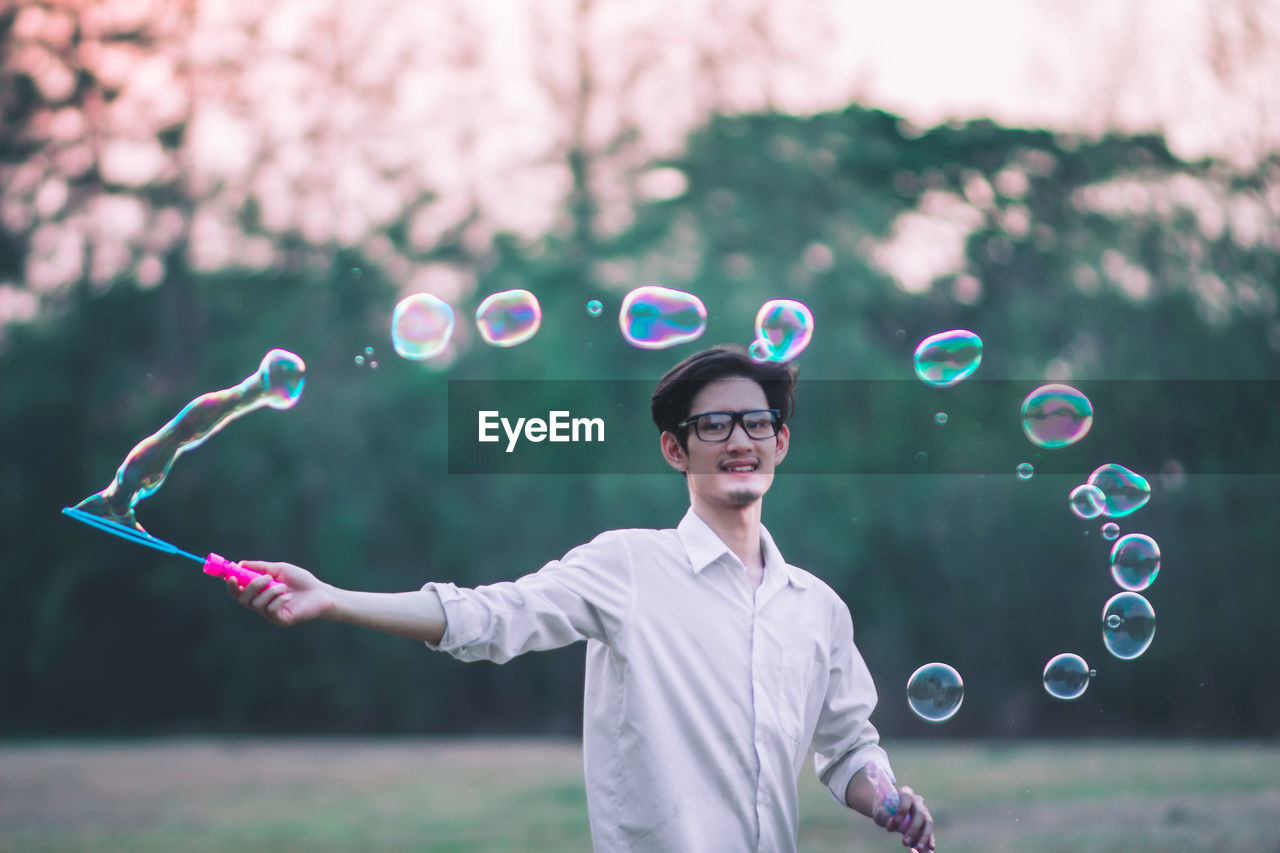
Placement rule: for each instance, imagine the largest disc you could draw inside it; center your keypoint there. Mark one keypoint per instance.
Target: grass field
(527, 795)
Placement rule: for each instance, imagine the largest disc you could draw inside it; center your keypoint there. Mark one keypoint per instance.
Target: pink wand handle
(221, 567)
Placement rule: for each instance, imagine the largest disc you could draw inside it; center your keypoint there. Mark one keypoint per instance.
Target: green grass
(527, 795)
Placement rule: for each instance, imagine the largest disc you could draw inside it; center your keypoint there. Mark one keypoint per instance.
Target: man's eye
(713, 426)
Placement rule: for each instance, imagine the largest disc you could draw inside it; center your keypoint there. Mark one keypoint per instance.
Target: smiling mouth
(740, 468)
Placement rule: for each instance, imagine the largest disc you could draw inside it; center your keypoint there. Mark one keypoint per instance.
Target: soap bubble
(946, 358)
(1135, 561)
(1086, 501)
(359, 361)
(277, 383)
(1025, 470)
(1110, 531)
(508, 318)
(368, 351)
(940, 418)
(595, 307)
(785, 327)
(421, 326)
(654, 317)
(1056, 416)
(1066, 676)
(1125, 492)
(1128, 625)
(934, 692)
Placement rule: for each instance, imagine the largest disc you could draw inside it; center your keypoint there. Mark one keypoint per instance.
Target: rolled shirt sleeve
(845, 740)
(584, 595)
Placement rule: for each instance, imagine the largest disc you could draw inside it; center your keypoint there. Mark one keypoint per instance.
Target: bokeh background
(1092, 188)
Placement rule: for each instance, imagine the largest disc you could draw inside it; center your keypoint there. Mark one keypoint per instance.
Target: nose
(738, 436)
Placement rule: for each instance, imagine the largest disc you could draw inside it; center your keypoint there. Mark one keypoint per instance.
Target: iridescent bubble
(1128, 625)
(655, 317)
(934, 692)
(1066, 676)
(359, 360)
(946, 358)
(1086, 501)
(940, 418)
(277, 383)
(368, 350)
(1135, 561)
(1125, 492)
(1056, 415)
(595, 307)
(508, 318)
(759, 350)
(786, 326)
(373, 365)
(421, 326)
(1025, 470)
(1110, 531)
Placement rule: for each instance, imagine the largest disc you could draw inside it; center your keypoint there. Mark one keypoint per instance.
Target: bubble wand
(276, 383)
(219, 567)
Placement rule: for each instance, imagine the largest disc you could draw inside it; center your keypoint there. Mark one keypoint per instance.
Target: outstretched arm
(288, 594)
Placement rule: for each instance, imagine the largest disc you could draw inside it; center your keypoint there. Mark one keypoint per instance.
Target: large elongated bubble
(1128, 625)
(421, 326)
(654, 317)
(277, 383)
(784, 328)
(1125, 491)
(934, 692)
(1066, 676)
(1056, 416)
(946, 358)
(508, 318)
(1135, 561)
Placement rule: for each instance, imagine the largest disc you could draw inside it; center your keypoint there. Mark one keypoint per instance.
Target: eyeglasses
(718, 426)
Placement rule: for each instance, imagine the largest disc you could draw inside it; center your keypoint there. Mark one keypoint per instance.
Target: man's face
(735, 472)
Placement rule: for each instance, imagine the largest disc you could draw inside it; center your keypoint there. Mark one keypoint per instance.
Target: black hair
(675, 391)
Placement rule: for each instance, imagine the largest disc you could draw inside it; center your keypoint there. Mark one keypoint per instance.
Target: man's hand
(912, 819)
(284, 595)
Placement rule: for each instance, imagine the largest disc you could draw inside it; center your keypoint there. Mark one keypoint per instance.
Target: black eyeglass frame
(736, 419)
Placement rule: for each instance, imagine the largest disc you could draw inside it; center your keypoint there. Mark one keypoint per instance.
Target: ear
(673, 452)
(782, 441)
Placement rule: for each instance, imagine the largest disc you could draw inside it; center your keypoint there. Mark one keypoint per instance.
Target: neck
(738, 528)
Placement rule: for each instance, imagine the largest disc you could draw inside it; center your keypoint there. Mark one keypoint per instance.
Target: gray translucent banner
(877, 427)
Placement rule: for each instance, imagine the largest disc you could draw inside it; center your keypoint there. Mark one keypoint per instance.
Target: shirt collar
(704, 547)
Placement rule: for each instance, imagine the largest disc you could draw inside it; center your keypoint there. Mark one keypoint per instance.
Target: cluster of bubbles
(1053, 416)
(650, 317)
(366, 357)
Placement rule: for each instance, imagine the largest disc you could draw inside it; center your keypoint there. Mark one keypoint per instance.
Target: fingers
(916, 824)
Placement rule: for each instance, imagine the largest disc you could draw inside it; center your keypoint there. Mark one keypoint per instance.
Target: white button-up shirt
(703, 695)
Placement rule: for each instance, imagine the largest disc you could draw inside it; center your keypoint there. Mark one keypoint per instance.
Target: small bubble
(1025, 470)
(1056, 416)
(946, 358)
(359, 360)
(1086, 501)
(940, 418)
(1066, 676)
(595, 307)
(368, 350)
(922, 457)
(355, 272)
(1110, 531)
(373, 365)
(1114, 620)
(934, 692)
(1135, 561)
(421, 326)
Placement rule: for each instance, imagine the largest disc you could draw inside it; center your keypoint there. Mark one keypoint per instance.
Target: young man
(713, 666)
